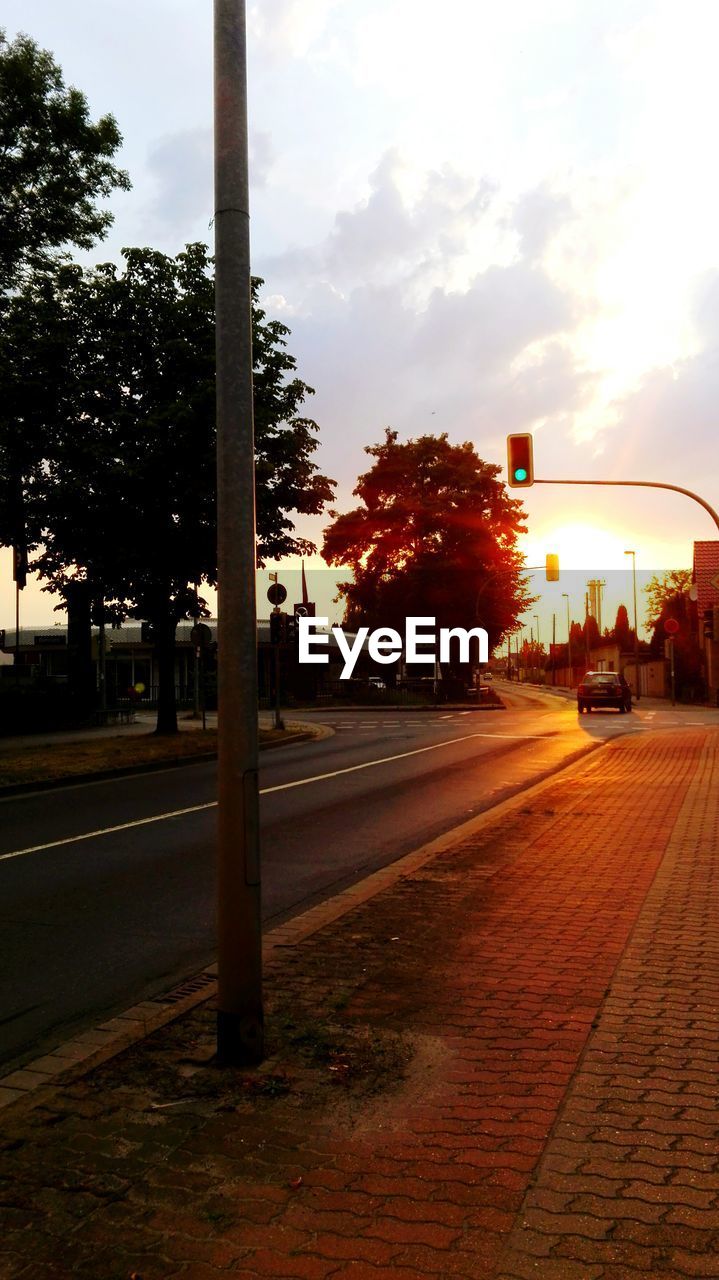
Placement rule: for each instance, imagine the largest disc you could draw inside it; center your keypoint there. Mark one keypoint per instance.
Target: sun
(580, 546)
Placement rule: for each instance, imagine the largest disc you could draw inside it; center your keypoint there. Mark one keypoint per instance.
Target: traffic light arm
(643, 484)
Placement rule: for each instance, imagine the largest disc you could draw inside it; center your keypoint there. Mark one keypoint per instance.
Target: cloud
(666, 429)
(424, 309)
(537, 217)
(181, 167)
(289, 27)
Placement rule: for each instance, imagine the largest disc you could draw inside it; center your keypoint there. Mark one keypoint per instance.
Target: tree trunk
(165, 629)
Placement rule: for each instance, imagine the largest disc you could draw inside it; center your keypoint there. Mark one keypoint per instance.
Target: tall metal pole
(633, 554)
(569, 640)
(102, 659)
(240, 1036)
(554, 647)
(196, 669)
(643, 484)
(17, 633)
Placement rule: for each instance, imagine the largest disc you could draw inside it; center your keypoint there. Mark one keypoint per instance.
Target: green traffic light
(520, 473)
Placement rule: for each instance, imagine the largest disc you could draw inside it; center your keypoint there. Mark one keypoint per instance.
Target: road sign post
(671, 627)
(277, 594)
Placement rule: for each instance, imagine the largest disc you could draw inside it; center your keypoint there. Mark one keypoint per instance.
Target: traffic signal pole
(240, 1037)
(642, 484)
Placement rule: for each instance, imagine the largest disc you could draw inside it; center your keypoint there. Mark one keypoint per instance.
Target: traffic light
(19, 566)
(291, 629)
(520, 461)
(552, 569)
(711, 623)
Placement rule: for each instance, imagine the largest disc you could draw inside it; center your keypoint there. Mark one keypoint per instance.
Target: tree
(435, 535)
(576, 634)
(664, 590)
(128, 481)
(622, 633)
(591, 632)
(33, 358)
(669, 598)
(54, 162)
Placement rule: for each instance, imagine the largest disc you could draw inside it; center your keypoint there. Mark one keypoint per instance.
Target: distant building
(705, 576)
(131, 664)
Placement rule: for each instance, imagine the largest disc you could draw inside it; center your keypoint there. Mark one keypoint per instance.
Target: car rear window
(601, 679)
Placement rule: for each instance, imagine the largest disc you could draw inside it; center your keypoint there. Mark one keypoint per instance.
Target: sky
(474, 218)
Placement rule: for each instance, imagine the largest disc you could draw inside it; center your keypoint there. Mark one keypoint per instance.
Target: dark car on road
(603, 689)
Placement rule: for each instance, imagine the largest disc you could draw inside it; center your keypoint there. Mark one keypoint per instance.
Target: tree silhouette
(622, 633)
(124, 498)
(55, 163)
(434, 535)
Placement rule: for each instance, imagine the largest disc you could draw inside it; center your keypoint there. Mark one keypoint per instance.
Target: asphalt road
(107, 889)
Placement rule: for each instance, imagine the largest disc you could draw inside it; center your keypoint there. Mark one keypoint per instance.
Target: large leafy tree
(668, 596)
(435, 534)
(125, 497)
(665, 591)
(55, 164)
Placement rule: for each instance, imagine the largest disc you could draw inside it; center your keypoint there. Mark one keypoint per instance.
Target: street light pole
(569, 640)
(240, 1036)
(633, 554)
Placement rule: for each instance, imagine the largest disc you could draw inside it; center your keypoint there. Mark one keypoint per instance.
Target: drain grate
(185, 989)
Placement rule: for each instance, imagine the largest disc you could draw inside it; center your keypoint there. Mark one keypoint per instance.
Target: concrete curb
(33, 1084)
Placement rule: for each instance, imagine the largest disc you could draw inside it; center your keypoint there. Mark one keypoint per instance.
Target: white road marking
(106, 831)
(265, 791)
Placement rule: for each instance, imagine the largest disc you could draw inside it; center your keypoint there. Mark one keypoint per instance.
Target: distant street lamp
(633, 554)
(569, 640)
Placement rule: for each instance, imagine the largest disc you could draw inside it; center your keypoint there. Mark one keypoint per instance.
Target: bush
(35, 708)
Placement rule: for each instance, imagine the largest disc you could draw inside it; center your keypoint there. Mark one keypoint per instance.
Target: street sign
(714, 582)
(277, 594)
(671, 626)
(201, 635)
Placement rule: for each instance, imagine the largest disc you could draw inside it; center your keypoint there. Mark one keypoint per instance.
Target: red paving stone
(502, 1066)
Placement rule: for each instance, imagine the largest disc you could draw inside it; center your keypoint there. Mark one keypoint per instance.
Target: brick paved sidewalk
(504, 1065)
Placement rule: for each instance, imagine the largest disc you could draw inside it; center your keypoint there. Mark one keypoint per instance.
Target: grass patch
(55, 761)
